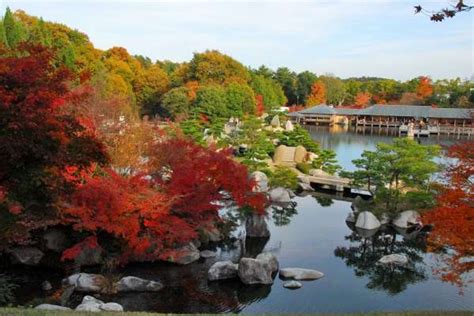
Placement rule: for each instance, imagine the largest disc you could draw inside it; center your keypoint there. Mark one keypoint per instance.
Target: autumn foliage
(362, 99)
(424, 88)
(317, 95)
(453, 218)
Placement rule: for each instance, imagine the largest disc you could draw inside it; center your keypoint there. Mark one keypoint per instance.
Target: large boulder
(394, 260)
(51, 307)
(300, 154)
(406, 219)
(91, 304)
(256, 226)
(86, 282)
(284, 154)
(135, 284)
(254, 271)
(55, 240)
(222, 270)
(367, 220)
(29, 256)
(261, 181)
(275, 121)
(185, 255)
(280, 195)
(289, 126)
(269, 259)
(301, 274)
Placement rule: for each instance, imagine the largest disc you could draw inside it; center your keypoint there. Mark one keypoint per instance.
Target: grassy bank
(33, 312)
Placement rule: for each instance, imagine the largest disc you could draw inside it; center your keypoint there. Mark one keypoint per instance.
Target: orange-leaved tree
(453, 217)
(362, 99)
(317, 95)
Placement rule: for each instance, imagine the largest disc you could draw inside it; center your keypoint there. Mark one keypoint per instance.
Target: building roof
(415, 111)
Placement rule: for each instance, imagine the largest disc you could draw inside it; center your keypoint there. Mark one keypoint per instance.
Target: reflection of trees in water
(363, 255)
(283, 213)
(324, 201)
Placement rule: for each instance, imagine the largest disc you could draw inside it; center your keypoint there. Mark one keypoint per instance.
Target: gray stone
(280, 195)
(256, 226)
(46, 286)
(185, 255)
(305, 187)
(275, 121)
(253, 271)
(89, 304)
(208, 254)
(357, 203)
(367, 220)
(55, 240)
(261, 181)
(394, 259)
(292, 285)
(406, 219)
(289, 126)
(301, 274)
(111, 307)
(135, 284)
(350, 218)
(269, 259)
(51, 307)
(29, 256)
(222, 270)
(85, 282)
(303, 179)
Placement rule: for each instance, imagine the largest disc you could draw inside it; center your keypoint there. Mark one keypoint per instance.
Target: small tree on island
(397, 175)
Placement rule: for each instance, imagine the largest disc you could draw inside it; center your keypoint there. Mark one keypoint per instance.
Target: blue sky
(343, 37)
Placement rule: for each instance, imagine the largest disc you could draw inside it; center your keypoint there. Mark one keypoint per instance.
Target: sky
(347, 38)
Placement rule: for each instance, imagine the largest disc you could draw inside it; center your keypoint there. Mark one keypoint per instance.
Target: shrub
(303, 167)
(283, 177)
(6, 290)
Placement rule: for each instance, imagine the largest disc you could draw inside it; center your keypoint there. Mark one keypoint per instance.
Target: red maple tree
(453, 217)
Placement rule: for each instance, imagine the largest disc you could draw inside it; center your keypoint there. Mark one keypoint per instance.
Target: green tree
(211, 101)
(273, 95)
(287, 80)
(13, 29)
(304, 82)
(3, 37)
(41, 34)
(175, 102)
(240, 99)
(327, 162)
(335, 90)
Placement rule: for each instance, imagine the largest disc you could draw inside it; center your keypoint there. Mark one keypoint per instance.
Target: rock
(291, 193)
(269, 259)
(253, 271)
(46, 286)
(350, 218)
(185, 254)
(280, 195)
(275, 121)
(318, 173)
(300, 154)
(367, 220)
(222, 270)
(303, 179)
(89, 256)
(208, 254)
(261, 181)
(356, 204)
(135, 284)
(85, 282)
(311, 156)
(111, 307)
(51, 307)
(384, 219)
(301, 274)
(89, 304)
(289, 126)
(29, 256)
(394, 259)
(305, 187)
(256, 226)
(406, 219)
(91, 299)
(292, 285)
(55, 240)
(284, 154)
(366, 233)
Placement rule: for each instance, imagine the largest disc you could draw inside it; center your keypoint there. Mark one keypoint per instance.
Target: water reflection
(365, 250)
(282, 214)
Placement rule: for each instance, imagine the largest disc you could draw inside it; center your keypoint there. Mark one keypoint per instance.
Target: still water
(313, 234)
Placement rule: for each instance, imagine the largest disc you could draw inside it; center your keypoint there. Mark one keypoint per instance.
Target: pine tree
(12, 33)
(3, 38)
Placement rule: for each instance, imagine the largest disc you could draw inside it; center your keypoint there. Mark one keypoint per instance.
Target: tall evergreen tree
(3, 37)
(12, 28)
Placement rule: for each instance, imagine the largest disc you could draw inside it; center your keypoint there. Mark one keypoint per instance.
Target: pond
(311, 235)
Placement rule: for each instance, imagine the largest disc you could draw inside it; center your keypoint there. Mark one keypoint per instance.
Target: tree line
(214, 84)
